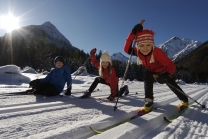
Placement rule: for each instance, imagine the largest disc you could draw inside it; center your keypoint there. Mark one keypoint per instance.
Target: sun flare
(9, 22)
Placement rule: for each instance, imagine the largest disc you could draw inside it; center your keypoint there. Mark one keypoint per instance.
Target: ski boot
(111, 97)
(68, 91)
(29, 91)
(183, 105)
(147, 107)
(87, 94)
(35, 92)
(126, 92)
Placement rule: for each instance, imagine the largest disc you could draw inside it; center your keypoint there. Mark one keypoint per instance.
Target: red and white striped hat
(145, 36)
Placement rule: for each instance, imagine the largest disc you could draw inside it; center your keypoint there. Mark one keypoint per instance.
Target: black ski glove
(163, 77)
(34, 82)
(137, 28)
(68, 92)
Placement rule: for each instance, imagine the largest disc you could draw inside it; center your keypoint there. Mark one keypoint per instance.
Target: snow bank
(11, 74)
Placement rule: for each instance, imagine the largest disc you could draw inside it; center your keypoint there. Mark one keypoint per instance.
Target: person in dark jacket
(159, 66)
(53, 84)
(107, 76)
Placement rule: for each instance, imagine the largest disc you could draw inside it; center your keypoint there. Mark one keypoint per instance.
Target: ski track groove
(48, 123)
(142, 134)
(180, 127)
(28, 127)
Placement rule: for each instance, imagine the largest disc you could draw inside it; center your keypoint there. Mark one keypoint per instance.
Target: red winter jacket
(161, 61)
(112, 80)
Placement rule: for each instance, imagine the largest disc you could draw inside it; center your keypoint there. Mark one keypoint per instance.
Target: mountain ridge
(46, 31)
(175, 48)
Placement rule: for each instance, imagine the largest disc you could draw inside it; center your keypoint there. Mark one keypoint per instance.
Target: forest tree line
(40, 55)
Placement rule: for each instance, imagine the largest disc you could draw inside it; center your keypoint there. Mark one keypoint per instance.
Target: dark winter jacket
(112, 80)
(161, 62)
(58, 77)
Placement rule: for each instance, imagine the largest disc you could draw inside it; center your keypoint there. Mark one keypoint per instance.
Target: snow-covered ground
(37, 117)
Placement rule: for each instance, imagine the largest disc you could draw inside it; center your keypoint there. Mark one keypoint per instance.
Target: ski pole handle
(142, 21)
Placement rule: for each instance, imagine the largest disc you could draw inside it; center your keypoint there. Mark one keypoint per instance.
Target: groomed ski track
(21, 116)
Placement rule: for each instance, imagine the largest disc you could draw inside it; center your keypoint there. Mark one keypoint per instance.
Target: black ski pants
(45, 88)
(102, 81)
(148, 86)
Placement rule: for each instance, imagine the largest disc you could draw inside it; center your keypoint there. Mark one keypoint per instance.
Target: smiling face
(145, 48)
(104, 64)
(59, 64)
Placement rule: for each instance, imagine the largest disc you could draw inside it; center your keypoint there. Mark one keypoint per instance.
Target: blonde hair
(139, 61)
(101, 70)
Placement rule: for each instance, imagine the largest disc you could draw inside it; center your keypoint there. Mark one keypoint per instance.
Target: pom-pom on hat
(59, 58)
(145, 36)
(105, 57)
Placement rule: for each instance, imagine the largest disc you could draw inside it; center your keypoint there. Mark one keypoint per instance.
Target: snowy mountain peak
(46, 30)
(47, 23)
(53, 32)
(178, 46)
(175, 38)
(119, 56)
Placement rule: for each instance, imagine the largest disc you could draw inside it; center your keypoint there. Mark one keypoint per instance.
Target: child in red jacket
(107, 75)
(159, 66)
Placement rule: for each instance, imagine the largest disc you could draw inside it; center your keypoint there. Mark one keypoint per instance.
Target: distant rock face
(47, 32)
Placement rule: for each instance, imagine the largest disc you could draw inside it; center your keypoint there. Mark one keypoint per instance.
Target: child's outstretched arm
(94, 62)
(128, 43)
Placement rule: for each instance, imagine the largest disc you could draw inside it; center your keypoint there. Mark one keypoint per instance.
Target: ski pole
(61, 94)
(127, 66)
(81, 68)
(203, 106)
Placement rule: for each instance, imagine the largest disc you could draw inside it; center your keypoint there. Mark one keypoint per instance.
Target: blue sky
(105, 24)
